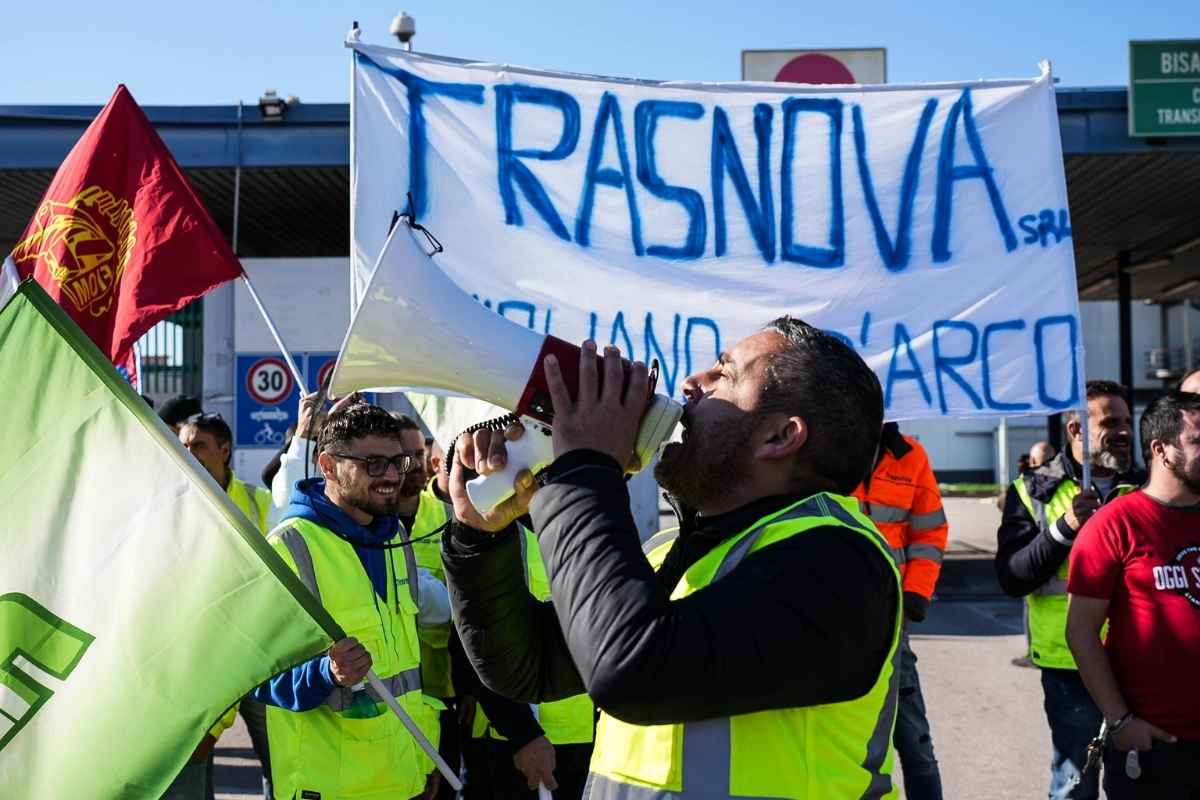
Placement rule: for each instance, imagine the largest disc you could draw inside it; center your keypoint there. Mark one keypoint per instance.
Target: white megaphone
(415, 329)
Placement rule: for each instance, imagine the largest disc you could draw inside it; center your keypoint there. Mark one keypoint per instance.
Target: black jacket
(802, 622)
(1027, 554)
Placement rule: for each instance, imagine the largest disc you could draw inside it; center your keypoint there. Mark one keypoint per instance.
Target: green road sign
(1164, 88)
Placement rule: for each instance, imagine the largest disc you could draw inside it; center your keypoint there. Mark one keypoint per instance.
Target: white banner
(927, 225)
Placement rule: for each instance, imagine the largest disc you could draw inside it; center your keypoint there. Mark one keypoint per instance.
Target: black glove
(915, 606)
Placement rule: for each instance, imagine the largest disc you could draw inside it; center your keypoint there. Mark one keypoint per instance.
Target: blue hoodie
(308, 685)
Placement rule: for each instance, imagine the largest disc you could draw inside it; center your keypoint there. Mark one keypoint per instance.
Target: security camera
(403, 27)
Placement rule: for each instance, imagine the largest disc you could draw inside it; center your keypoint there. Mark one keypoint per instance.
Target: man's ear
(1158, 450)
(326, 463)
(226, 452)
(1073, 429)
(780, 437)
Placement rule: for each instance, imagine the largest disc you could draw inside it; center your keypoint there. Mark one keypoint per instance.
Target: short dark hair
(1163, 419)
(355, 422)
(215, 426)
(820, 378)
(407, 423)
(1098, 388)
(176, 410)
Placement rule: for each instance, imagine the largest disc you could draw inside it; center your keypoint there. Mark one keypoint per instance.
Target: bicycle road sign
(266, 401)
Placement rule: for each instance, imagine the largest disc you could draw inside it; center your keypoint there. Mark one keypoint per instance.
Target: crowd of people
(760, 647)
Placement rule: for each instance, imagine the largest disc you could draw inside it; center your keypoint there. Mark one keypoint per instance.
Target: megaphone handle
(533, 451)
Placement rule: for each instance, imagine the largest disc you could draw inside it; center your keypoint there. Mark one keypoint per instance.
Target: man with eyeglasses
(330, 735)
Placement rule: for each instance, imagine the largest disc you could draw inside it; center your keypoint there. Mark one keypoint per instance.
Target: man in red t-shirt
(1136, 563)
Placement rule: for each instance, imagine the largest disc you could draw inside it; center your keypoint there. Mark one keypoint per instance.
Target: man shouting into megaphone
(749, 652)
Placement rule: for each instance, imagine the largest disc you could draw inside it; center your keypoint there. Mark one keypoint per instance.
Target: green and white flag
(137, 604)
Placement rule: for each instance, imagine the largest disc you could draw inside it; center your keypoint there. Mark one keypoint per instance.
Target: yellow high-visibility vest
(432, 515)
(571, 720)
(254, 501)
(837, 750)
(322, 750)
(1048, 603)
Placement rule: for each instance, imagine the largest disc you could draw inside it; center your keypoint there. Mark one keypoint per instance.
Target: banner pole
(355, 35)
(408, 723)
(287, 356)
(1086, 483)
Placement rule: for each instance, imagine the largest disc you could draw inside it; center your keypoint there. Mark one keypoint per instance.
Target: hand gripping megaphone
(415, 329)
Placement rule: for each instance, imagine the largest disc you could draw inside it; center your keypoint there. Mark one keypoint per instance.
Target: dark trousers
(1074, 721)
(914, 744)
(450, 746)
(1169, 772)
(491, 774)
(254, 714)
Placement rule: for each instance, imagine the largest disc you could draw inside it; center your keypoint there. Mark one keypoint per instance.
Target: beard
(413, 484)
(1117, 460)
(364, 498)
(709, 462)
(1189, 477)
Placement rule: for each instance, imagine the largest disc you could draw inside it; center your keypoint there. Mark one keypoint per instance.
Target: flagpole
(274, 331)
(1086, 477)
(355, 34)
(1086, 483)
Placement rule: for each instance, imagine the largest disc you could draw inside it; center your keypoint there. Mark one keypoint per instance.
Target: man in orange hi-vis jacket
(902, 498)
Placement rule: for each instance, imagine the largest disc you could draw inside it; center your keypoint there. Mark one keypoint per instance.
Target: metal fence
(172, 355)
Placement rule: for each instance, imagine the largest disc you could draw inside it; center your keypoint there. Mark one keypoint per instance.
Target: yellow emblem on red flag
(84, 244)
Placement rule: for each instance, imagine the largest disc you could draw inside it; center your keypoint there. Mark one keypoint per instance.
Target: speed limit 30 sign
(266, 402)
(269, 381)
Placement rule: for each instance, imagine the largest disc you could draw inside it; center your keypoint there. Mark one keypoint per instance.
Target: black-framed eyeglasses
(376, 466)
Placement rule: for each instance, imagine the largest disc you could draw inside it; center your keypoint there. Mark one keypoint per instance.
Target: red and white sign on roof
(866, 65)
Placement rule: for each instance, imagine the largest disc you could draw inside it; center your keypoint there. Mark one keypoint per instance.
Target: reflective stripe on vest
(882, 513)
(924, 522)
(337, 754)
(1048, 603)
(627, 762)
(252, 501)
(343, 697)
(399, 684)
(928, 552)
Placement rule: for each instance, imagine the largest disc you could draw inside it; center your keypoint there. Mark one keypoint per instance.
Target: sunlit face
(434, 458)
(1183, 459)
(378, 497)
(1110, 433)
(1192, 383)
(205, 448)
(413, 443)
(718, 422)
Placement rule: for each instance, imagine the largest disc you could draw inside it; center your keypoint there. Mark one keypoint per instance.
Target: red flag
(120, 239)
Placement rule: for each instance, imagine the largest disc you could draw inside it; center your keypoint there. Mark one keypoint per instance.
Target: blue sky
(215, 52)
